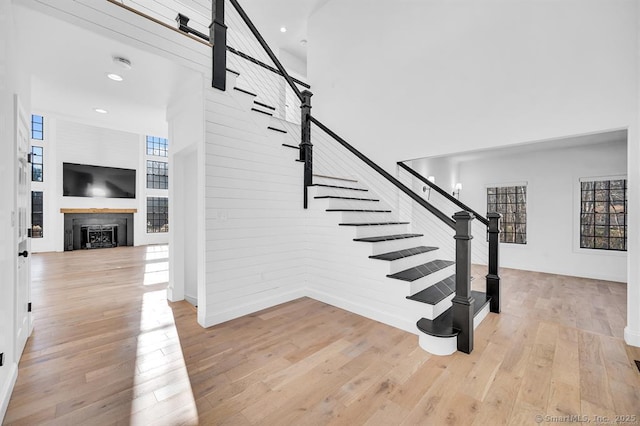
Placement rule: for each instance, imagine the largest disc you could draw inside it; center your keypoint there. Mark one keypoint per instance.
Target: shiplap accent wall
(255, 239)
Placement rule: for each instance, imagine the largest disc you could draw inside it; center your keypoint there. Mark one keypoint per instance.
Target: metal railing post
(306, 147)
(218, 38)
(493, 276)
(463, 303)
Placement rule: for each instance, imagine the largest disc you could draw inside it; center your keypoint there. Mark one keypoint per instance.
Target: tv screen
(83, 180)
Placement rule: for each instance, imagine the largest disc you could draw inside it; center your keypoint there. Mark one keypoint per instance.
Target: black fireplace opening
(99, 236)
(97, 230)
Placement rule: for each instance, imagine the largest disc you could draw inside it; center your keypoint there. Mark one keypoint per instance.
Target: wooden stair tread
(244, 91)
(421, 271)
(387, 238)
(399, 254)
(436, 293)
(442, 326)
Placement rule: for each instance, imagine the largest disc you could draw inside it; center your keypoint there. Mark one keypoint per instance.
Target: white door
(23, 205)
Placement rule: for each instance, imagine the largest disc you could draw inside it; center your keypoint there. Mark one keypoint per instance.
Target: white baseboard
(251, 307)
(6, 388)
(364, 310)
(192, 300)
(631, 337)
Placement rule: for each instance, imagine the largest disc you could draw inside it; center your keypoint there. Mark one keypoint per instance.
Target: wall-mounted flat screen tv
(83, 180)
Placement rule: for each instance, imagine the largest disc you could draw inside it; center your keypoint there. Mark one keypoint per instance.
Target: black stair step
(244, 91)
(290, 146)
(336, 178)
(420, 271)
(275, 129)
(387, 238)
(373, 223)
(436, 293)
(264, 105)
(442, 326)
(339, 187)
(335, 197)
(262, 112)
(359, 210)
(395, 255)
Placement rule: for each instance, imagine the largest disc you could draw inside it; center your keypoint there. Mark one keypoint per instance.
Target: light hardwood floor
(108, 349)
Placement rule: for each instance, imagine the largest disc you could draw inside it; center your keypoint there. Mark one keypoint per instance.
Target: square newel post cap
(493, 215)
(463, 215)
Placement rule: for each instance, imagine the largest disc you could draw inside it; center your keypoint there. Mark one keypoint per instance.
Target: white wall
(255, 248)
(412, 79)
(553, 204)
(68, 141)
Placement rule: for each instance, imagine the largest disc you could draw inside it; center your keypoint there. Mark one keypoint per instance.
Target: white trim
(7, 388)
(632, 337)
(250, 307)
(602, 178)
(507, 184)
(363, 310)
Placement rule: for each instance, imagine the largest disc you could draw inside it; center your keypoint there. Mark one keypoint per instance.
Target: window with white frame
(603, 214)
(511, 203)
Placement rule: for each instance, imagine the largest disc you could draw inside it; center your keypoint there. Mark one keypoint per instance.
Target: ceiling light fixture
(115, 77)
(100, 110)
(283, 29)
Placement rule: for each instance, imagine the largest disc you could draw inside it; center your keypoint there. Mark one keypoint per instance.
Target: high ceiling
(70, 64)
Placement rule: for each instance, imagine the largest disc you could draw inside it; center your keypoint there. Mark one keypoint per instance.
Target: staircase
(405, 269)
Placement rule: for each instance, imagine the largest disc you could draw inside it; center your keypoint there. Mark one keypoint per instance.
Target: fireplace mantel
(98, 211)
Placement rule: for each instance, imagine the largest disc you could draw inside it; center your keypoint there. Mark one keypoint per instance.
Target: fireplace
(97, 228)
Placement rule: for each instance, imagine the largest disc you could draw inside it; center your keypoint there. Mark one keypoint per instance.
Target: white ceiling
(270, 16)
(69, 65)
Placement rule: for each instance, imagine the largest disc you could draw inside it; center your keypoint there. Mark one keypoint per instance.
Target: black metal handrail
(444, 193)
(266, 47)
(418, 199)
(183, 25)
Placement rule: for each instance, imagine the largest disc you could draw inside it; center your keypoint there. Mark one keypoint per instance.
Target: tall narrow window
(511, 203)
(157, 214)
(603, 214)
(36, 164)
(36, 214)
(37, 127)
(157, 175)
(157, 146)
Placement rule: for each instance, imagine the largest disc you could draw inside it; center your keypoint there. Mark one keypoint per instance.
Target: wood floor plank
(108, 349)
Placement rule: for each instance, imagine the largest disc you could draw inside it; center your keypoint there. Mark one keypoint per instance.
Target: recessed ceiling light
(303, 42)
(115, 77)
(283, 29)
(100, 110)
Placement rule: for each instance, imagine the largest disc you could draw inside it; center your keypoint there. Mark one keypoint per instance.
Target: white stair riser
(377, 230)
(393, 245)
(339, 203)
(336, 182)
(364, 217)
(447, 345)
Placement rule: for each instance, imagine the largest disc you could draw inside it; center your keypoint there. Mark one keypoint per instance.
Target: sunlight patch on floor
(161, 381)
